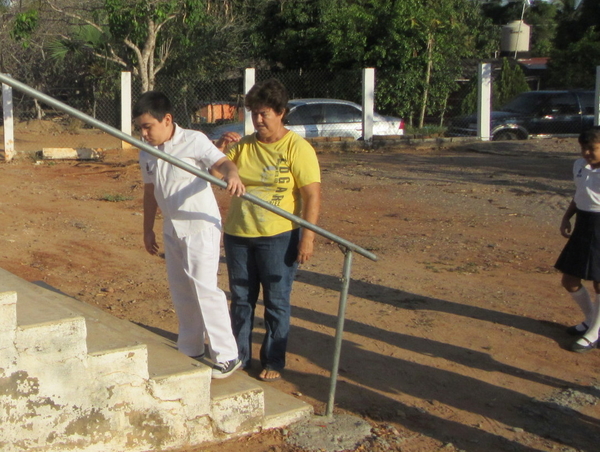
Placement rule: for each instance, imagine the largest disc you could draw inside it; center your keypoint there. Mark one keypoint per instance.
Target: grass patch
(115, 198)
(427, 131)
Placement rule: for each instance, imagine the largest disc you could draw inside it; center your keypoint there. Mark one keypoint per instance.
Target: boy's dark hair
(590, 136)
(271, 93)
(154, 103)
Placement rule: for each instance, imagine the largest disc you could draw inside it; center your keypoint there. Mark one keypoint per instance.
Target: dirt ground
(454, 339)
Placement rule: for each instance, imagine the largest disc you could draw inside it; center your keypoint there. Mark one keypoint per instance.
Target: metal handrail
(347, 247)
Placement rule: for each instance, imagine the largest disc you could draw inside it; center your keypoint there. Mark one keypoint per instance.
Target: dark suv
(534, 114)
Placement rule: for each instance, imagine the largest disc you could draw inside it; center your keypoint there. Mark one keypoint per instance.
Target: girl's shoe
(583, 345)
(574, 331)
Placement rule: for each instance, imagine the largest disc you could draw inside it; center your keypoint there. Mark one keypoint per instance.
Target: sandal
(582, 348)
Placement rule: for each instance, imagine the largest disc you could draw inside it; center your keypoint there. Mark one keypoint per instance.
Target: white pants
(201, 307)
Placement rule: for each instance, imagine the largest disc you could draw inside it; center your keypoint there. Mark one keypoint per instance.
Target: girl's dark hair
(271, 93)
(154, 103)
(590, 136)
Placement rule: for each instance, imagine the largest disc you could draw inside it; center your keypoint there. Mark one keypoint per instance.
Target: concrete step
(109, 381)
(241, 403)
(282, 409)
(237, 404)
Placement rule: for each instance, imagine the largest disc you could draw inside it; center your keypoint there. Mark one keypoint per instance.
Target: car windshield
(525, 104)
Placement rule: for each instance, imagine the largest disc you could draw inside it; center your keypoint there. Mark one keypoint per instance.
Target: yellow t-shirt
(273, 172)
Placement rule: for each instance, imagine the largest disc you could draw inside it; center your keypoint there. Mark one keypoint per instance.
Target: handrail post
(339, 332)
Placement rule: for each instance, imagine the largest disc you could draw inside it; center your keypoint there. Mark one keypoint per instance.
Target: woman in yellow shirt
(262, 248)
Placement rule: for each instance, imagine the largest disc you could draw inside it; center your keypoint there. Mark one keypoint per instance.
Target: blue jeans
(269, 262)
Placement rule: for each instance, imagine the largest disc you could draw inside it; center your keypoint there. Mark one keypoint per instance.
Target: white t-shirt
(587, 183)
(187, 202)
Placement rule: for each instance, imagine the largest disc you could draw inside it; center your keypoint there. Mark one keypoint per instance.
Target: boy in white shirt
(192, 229)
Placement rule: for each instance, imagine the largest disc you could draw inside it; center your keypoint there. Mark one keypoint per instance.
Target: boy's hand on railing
(228, 172)
(235, 187)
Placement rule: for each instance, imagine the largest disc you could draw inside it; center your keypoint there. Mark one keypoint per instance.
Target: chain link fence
(214, 105)
(203, 105)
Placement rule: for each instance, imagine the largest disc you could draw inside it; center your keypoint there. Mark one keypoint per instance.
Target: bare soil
(454, 338)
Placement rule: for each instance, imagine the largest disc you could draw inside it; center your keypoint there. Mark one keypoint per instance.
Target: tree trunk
(427, 80)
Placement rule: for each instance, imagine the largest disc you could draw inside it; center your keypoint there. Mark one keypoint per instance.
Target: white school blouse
(587, 183)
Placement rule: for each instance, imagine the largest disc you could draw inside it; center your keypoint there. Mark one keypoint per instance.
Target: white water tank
(515, 37)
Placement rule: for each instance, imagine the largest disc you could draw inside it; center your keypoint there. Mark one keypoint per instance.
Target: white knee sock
(592, 332)
(583, 300)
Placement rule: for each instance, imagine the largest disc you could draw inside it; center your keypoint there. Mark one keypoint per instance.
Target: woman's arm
(311, 204)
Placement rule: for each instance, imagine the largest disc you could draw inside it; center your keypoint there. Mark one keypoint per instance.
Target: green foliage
(24, 25)
(575, 66)
(542, 17)
(510, 83)
(577, 46)
(468, 104)
(507, 85)
(115, 198)
(129, 20)
(403, 39)
(81, 41)
(293, 34)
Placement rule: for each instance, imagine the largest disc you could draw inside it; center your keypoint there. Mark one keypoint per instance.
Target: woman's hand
(226, 139)
(311, 203)
(306, 246)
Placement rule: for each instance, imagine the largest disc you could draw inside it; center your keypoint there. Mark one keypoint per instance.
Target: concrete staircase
(73, 377)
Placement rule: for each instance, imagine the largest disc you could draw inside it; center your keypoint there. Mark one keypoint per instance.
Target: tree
(142, 35)
(291, 34)
(575, 66)
(416, 47)
(510, 83)
(577, 46)
(542, 17)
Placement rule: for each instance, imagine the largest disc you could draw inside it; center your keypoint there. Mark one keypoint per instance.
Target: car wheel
(506, 135)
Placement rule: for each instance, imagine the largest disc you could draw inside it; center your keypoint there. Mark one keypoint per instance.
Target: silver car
(325, 118)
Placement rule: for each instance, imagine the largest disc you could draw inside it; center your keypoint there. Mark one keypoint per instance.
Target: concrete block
(64, 337)
(8, 318)
(70, 154)
(124, 366)
(282, 409)
(191, 389)
(237, 405)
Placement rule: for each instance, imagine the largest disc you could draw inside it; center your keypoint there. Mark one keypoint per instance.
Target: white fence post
(368, 104)
(597, 98)
(125, 106)
(249, 80)
(484, 98)
(9, 127)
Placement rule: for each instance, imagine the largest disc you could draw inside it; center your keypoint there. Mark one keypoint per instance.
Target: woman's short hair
(271, 93)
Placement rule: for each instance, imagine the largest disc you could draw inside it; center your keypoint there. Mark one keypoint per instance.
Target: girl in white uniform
(580, 258)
